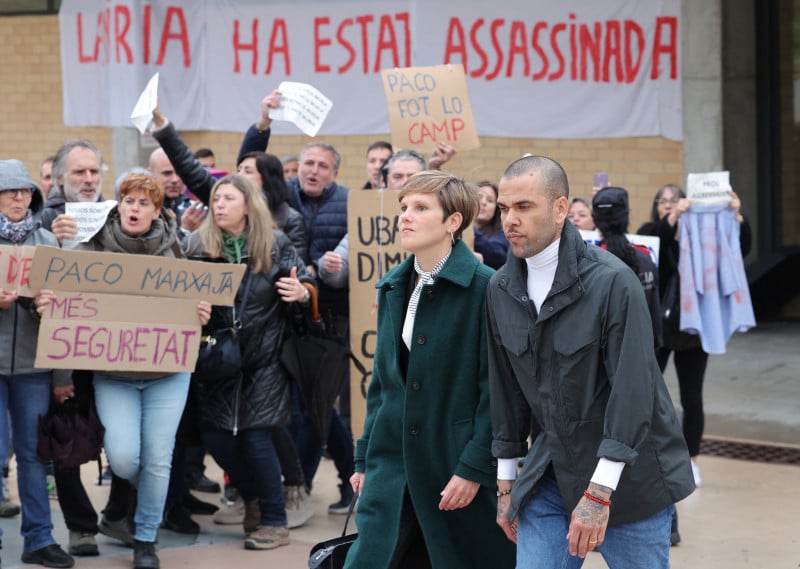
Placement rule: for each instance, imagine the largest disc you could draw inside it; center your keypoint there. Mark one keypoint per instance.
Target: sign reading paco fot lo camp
(428, 106)
(125, 312)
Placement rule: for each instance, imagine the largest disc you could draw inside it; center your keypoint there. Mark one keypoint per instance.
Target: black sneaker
(50, 556)
(179, 520)
(343, 505)
(144, 555)
(197, 506)
(204, 484)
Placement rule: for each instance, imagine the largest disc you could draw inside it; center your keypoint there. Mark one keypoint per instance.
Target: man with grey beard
(77, 177)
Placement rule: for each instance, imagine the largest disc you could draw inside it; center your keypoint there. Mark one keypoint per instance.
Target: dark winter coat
(19, 323)
(260, 396)
(584, 372)
(326, 224)
(432, 423)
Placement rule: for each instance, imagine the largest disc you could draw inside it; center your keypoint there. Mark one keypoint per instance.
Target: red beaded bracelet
(594, 498)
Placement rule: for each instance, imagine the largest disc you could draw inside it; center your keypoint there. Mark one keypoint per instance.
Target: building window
(22, 7)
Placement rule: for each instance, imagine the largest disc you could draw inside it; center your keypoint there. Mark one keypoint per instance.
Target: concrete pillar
(126, 152)
(702, 86)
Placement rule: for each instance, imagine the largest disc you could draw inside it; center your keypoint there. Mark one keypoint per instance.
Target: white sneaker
(698, 480)
(299, 507)
(230, 513)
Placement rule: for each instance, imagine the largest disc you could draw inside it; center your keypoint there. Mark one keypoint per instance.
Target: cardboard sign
(429, 105)
(374, 250)
(126, 333)
(15, 267)
(709, 188)
(144, 275)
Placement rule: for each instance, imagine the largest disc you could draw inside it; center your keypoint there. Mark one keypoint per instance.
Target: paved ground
(743, 517)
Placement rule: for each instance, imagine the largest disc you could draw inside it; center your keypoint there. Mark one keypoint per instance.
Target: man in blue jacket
(323, 205)
(571, 365)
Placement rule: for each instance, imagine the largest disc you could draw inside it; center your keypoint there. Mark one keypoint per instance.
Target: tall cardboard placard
(375, 249)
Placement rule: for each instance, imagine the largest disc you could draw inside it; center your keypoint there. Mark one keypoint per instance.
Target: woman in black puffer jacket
(237, 413)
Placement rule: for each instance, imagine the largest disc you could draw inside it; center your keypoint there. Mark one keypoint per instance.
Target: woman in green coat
(424, 465)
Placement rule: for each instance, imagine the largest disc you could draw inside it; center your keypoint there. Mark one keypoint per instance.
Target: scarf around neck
(425, 277)
(233, 246)
(16, 231)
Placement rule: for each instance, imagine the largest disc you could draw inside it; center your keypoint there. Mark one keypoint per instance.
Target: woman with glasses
(690, 360)
(24, 388)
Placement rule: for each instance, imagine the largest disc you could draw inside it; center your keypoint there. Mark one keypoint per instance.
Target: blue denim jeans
(141, 418)
(24, 397)
(250, 460)
(543, 525)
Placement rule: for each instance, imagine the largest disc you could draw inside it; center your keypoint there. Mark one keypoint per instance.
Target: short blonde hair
(454, 194)
(259, 227)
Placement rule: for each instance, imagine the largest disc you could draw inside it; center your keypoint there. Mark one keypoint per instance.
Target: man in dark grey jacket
(571, 364)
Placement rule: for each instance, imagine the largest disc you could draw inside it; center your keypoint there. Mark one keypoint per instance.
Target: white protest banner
(15, 267)
(534, 68)
(429, 105)
(142, 113)
(709, 188)
(302, 105)
(89, 217)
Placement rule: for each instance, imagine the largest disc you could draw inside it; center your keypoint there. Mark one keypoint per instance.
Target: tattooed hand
(587, 529)
(508, 527)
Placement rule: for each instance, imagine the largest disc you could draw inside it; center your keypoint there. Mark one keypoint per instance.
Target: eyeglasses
(665, 201)
(22, 192)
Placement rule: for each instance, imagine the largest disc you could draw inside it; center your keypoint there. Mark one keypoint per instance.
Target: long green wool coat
(435, 422)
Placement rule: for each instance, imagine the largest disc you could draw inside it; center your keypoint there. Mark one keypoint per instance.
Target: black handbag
(68, 437)
(331, 554)
(220, 355)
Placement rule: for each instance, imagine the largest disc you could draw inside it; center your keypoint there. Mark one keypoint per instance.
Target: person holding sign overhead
(239, 412)
(669, 205)
(25, 389)
(424, 466)
(141, 410)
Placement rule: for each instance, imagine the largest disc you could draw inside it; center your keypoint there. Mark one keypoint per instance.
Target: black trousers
(411, 551)
(690, 366)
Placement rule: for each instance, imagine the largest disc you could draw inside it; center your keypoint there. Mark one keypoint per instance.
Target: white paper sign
(89, 216)
(302, 105)
(650, 242)
(143, 111)
(709, 188)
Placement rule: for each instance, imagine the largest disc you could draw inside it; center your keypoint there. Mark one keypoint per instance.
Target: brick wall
(31, 114)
